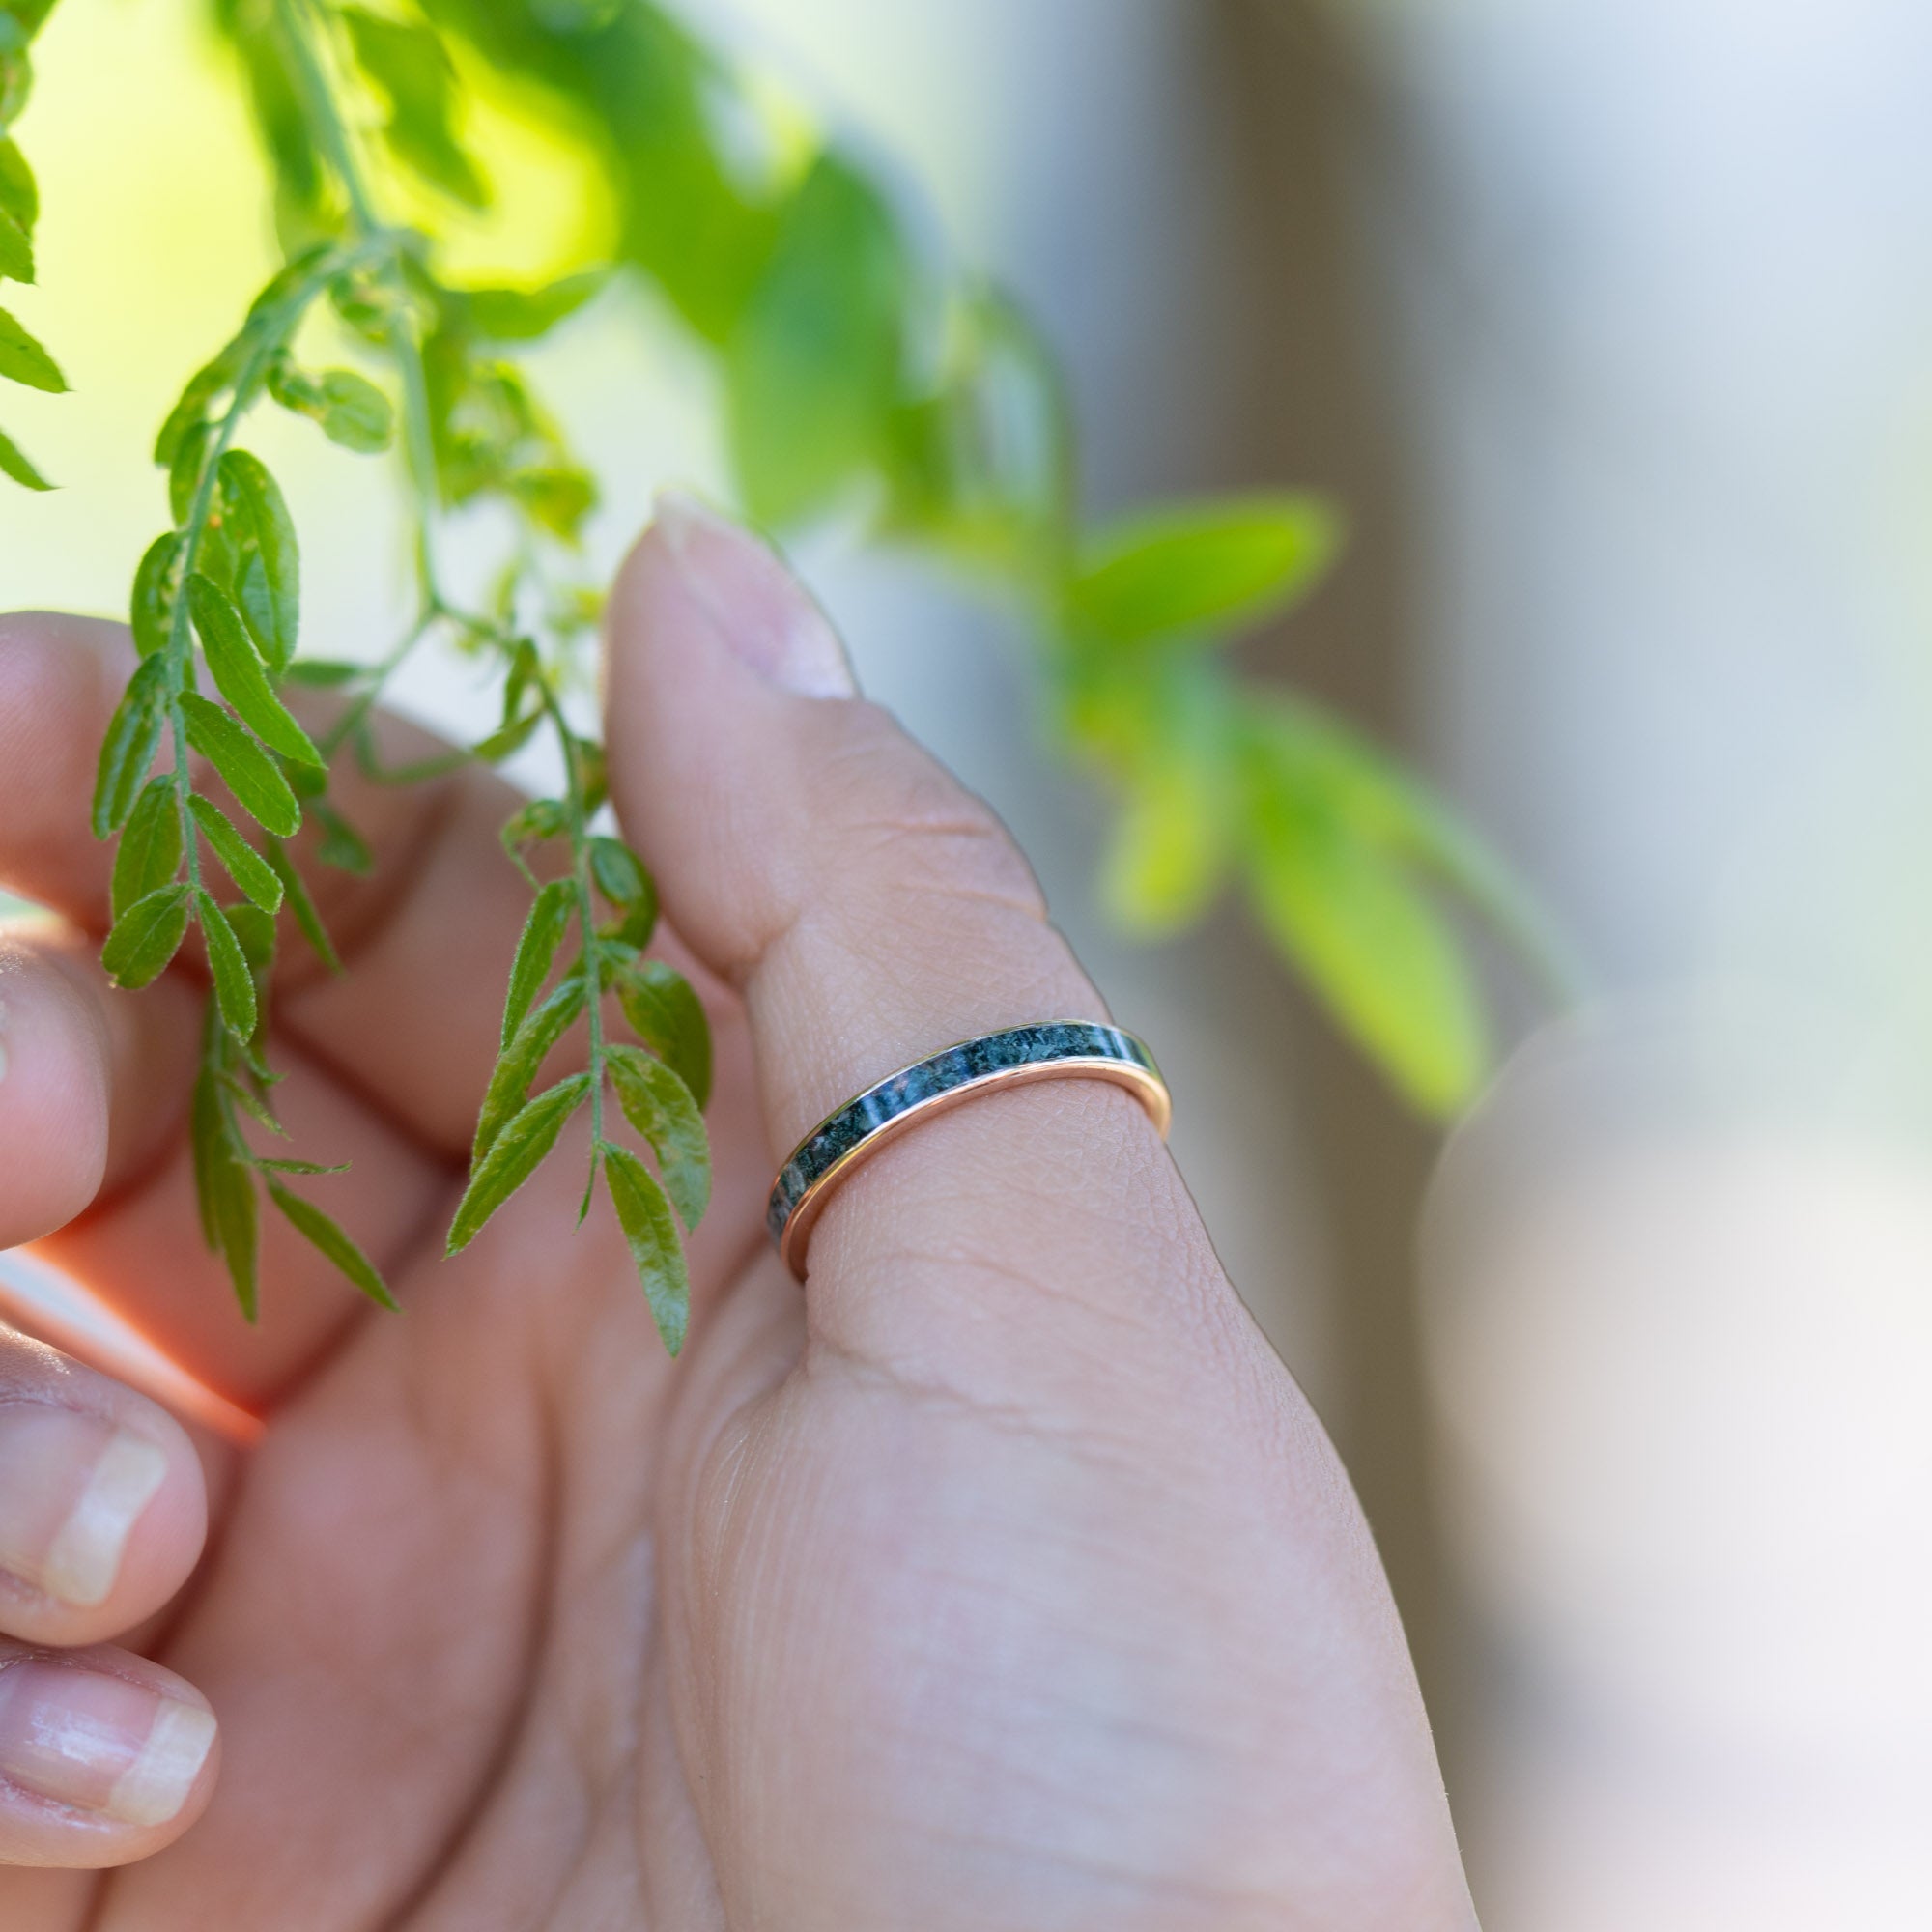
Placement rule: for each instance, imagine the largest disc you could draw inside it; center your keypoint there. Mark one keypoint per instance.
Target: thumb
(872, 911)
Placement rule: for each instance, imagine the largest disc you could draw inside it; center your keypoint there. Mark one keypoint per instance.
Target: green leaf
(325, 673)
(19, 197)
(409, 64)
(16, 250)
(22, 360)
(301, 1167)
(228, 967)
(157, 585)
(350, 407)
(536, 950)
(307, 918)
(255, 927)
(515, 1155)
(1208, 567)
(150, 850)
(14, 463)
(1380, 956)
(267, 580)
(512, 737)
(241, 673)
(133, 737)
(668, 1017)
(239, 859)
(204, 388)
(646, 1218)
(354, 413)
(146, 937)
(225, 1189)
(184, 473)
(661, 1107)
(523, 314)
(541, 818)
(521, 1060)
(342, 845)
(619, 872)
(326, 1236)
(813, 366)
(246, 769)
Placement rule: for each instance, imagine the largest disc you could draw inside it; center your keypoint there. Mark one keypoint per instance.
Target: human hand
(1002, 1578)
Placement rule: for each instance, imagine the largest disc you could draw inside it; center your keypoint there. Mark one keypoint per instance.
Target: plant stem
(586, 911)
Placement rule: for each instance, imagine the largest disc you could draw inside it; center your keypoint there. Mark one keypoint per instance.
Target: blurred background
(1611, 329)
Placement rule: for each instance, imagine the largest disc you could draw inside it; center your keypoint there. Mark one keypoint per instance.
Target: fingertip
(53, 1094)
(105, 1757)
(103, 1509)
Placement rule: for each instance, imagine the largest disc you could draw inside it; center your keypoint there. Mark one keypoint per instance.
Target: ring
(1050, 1050)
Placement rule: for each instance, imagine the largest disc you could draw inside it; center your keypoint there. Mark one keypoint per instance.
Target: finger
(102, 1507)
(440, 889)
(429, 932)
(105, 1757)
(95, 1170)
(873, 911)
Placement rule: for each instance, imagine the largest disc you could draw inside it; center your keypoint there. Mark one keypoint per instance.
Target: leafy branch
(856, 375)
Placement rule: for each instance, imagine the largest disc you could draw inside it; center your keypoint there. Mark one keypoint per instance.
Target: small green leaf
(225, 1189)
(515, 1155)
(661, 1107)
(619, 872)
(523, 314)
(133, 737)
(239, 859)
(184, 473)
(536, 950)
(325, 673)
(157, 585)
(151, 846)
(521, 1060)
(1381, 957)
(350, 407)
(668, 1017)
(241, 673)
(300, 1167)
(267, 581)
(814, 367)
(190, 411)
(322, 1232)
(646, 1218)
(1210, 567)
(17, 250)
(22, 360)
(254, 1105)
(513, 737)
(146, 937)
(14, 463)
(18, 195)
(354, 413)
(255, 927)
(342, 845)
(307, 918)
(407, 64)
(247, 771)
(540, 818)
(228, 967)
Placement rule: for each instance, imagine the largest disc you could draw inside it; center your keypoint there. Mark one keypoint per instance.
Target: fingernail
(761, 611)
(72, 1489)
(100, 1743)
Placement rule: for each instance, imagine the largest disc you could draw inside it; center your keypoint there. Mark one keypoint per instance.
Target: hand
(1001, 1580)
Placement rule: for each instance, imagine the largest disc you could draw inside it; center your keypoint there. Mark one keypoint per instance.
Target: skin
(1001, 1579)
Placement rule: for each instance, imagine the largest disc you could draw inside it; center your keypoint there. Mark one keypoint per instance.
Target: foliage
(853, 371)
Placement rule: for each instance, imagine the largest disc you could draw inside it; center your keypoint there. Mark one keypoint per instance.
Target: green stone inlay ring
(1050, 1050)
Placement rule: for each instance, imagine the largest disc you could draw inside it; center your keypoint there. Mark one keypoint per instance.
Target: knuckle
(906, 823)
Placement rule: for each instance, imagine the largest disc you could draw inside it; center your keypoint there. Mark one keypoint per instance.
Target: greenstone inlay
(957, 1067)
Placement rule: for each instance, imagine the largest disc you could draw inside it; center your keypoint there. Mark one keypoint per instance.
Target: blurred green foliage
(855, 370)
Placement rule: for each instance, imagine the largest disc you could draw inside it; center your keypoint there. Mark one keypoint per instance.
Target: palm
(1003, 1580)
